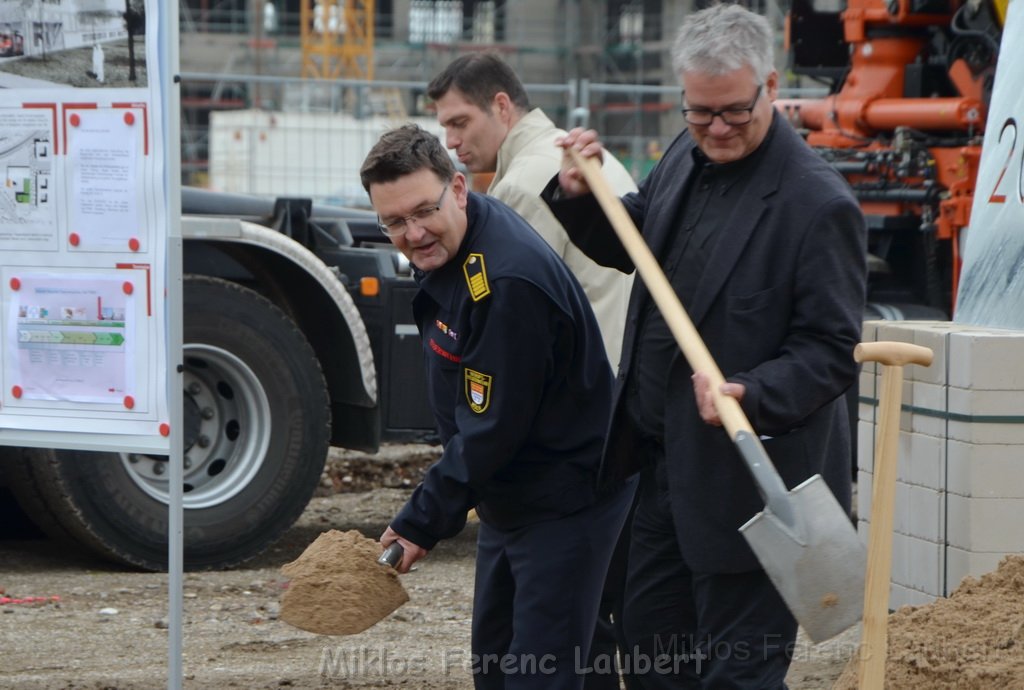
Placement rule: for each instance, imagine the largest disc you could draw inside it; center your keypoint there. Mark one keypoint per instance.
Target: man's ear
(771, 85)
(503, 107)
(460, 189)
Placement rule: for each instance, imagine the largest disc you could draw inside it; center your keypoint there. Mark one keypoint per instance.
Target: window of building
(485, 15)
(452, 21)
(437, 21)
(631, 23)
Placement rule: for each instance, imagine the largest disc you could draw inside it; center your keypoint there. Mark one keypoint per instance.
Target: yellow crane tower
(337, 39)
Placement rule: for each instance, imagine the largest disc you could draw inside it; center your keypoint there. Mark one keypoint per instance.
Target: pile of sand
(338, 588)
(973, 639)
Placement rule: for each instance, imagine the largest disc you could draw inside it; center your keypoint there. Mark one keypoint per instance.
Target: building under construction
(243, 54)
(40, 27)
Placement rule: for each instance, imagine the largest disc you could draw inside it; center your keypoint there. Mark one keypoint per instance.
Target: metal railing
(308, 137)
(510, 28)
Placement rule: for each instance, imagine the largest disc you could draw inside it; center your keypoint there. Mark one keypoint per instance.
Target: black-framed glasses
(734, 117)
(398, 226)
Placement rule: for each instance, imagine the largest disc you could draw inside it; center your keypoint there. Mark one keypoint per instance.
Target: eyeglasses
(734, 117)
(398, 226)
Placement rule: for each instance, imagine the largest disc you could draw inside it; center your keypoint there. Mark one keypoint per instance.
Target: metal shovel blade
(819, 573)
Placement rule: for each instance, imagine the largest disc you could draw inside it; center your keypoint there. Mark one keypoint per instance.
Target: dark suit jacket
(779, 306)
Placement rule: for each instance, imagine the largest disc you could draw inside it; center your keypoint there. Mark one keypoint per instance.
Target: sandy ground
(108, 630)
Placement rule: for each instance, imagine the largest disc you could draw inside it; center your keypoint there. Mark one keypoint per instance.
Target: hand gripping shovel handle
(770, 484)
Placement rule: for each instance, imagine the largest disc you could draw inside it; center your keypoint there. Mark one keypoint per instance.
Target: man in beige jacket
(489, 124)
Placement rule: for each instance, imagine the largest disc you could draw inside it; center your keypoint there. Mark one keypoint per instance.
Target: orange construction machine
(909, 83)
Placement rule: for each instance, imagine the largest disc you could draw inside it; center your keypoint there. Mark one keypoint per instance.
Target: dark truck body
(298, 336)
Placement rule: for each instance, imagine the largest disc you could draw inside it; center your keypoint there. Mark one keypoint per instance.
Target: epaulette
(476, 277)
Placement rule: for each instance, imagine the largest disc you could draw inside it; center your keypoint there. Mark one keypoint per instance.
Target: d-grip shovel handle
(696, 352)
(392, 555)
(893, 353)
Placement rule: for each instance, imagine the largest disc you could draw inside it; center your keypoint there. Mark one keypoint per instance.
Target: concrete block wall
(960, 473)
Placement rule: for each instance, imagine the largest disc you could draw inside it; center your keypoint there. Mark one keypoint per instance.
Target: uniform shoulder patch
(478, 390)
(476, 277)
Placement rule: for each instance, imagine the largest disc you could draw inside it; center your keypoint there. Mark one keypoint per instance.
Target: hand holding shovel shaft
(768, 481)
(690, 342)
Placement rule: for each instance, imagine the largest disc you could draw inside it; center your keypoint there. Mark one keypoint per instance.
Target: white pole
(168, 76)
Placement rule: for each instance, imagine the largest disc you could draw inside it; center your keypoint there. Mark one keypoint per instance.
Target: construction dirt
(974, 640)
(336, 587)
(85, 624)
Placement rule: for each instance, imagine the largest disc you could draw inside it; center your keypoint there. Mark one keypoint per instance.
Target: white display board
(991, 289)
(90, 241)
(83, 237)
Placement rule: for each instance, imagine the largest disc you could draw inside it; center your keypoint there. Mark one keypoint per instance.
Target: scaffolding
(336, 37)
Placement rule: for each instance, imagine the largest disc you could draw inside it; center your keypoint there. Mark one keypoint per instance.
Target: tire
(257, 429)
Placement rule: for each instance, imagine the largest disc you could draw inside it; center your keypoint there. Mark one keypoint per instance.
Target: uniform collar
(441, 283)
(529, 127)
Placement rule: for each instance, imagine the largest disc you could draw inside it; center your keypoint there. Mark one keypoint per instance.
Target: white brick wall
(960, 473)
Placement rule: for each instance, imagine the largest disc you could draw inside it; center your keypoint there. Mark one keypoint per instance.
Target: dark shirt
(518, 382)
(710, 197)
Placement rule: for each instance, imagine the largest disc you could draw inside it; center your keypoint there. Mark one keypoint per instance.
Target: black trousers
(606, 662)
(537, 593)
(697, 630)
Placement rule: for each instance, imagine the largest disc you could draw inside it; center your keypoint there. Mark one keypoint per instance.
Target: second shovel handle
(893, 353)
(690, 342)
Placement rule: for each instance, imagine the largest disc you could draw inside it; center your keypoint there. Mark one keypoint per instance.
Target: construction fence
(310, 136)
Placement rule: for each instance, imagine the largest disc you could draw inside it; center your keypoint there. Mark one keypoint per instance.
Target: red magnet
(165, 429)
(15, 284)
(129, 118)
(133, 244)
(74, 120)
(128, 288)
(16, 391)
(74, 239)
(129, 402)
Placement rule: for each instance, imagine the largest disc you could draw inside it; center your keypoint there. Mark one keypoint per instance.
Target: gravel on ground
(99, 626)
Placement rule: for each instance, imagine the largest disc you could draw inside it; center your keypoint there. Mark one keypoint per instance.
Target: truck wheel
(257, 427)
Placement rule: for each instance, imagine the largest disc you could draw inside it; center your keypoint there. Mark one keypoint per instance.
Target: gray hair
(724, 38)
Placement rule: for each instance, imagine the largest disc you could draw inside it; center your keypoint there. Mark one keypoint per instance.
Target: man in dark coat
(520, 386)
(765, 246)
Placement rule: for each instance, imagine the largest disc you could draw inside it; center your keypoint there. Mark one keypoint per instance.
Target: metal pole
(257, 50)
(168, 76)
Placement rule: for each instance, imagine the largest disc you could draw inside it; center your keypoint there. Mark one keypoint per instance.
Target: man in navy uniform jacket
(521, 390)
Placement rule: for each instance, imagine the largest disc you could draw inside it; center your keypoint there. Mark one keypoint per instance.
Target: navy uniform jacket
(518, 381)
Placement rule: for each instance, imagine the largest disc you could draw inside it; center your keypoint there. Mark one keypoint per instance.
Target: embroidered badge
(476, 277)
(478, 390)
(443, 352)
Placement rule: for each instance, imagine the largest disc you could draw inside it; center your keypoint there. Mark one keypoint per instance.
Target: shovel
(874, 635)
(803, 538)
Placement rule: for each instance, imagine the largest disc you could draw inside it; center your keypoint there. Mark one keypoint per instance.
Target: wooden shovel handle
(893, 353)
(690, 342)
(874, 634)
